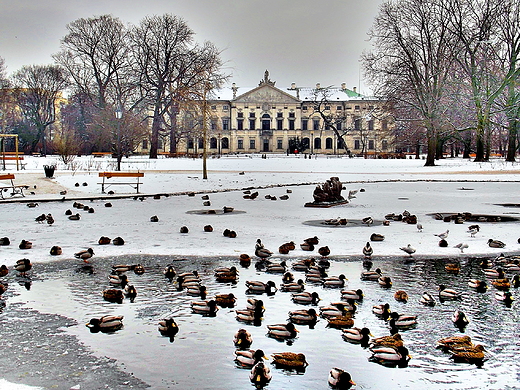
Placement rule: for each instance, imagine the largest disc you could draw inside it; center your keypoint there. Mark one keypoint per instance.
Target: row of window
(266, 124)
(304, 108)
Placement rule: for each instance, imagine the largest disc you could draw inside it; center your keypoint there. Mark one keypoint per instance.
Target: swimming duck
(276, 267)
(334, 281)
(225, 300)
(282, 331)
(382, 310)
(408, 249)
(324, 251)
(385, 281)
(333, 310)
(290, 360)
(169, 272)
(495, 243)
(4, 241)
(131, 292)
(515, 281)
(452, 268)
(514, 266)
(501, 284)
(479, 285)
(459, 319)
(401, 321)
(298, 286)
(113, 295)
(260, 375)
(208, 308)
(371, 275)
(24, 244)
(356, 295)
(303, 317)
(306, 298)
(368, 251)
(393, 341)
(340, 379)
(250, 315)
(504, 297)
(168, 327)
(3, 270)
(196, 290)
(257, 287)
(242, 339)
(118, 241)
(226, 274)
(245, 260)
(118, 280)
(23, 266)
(448, 294)
(106, 323)
(248, 358)
(427, 299)
(253, 303)
(454, 343)
(138, 269)
(377, 237)
(388, 355)
(357, 335)
(121, 268)
(401, 296)
(340, 322)
(494, 273)
(261, 251)
(104, 240)
(469, 354)
(303, 265)
(288, 277)
(84, 254)
(56, 251)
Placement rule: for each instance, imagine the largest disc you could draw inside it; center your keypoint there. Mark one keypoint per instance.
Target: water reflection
(201, 353)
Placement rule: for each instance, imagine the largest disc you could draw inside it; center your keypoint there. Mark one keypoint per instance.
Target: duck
(24, 244)
(138, 269)
(303, 265)
(74, 217)
(459, 319)
(334, 310)
(260, 375)
(324, 251)
(225, 300)
(196, 290)
(282, 331)
(107, 323)
(340, 322)
(288, 277)
(307, 246)
(242, 339)
(303, 317)
(261, 251)
(401, 296)
(515, 281)
(118, 241)
(5, 241)
(168, 327)
(3, 289)
(367, 221)
(257, 287)
(245, 260)
(56, 251)
(169, 272)
(23, 266)
(401, 321)
(283, 250)
(276, 267)
(382, 310)
(454, 342)
(253, 303)
(504, 297)
(448, 294)
(334, 281)
(356, 295)
(40, 218)
(50, 219)
(113, 295)
(249, 357)
(443, 243)
(121, 268)
(388, 355)
(479, 285)
(290, 360)
(103, 240)
(340, 379)
(393, 341)
(154, 218)
(452, 268)
(208, 308)
(371, 275)
(118, 280)
(514, 266)
(501, 284)
(385, 281)
(408, 249)
(84, 255)
(473, 230)
(427, 299)
(306, 298)
(368, 251)
(250, 315)
(377, 237)
(469, 354)
(357, 335)
(3, 270)
(131, 292)
(226, 274)
(298, 286)
(495, 243)
(312, 240)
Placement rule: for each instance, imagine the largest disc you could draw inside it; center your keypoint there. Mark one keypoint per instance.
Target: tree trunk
(156, 127)
(432, 148)
(512, 143)
(173, 128)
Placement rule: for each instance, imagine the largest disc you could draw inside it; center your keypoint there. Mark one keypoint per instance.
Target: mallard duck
(283, 249)
(298, 286)
(250, 315)
(208, 308)
(196, 290)
(307, 246)
(479, 285)
(454, 342)
(402, 321)
(4, 241)
(257, 287)
(333, 310)
(401, 296)
(334, 281)
(169, 272)
(312, 240)
(515, 281)
(504, 297)
(118, 280)
(56, 251)
(495, 243)
(473, 229)
(501, 284)
(260, 375)
(393, 341)
(106, 323)
(3, 270)
(303, 265)
(103, 240)
(367, 221)
(23, 266)
(84, 255)
(382, 310)
(385, 281)
(248, 358)
(306, 298)
(427, 299)
(324, 251)
(40, 218)
(386, 355)
(303, 317)
(168, 327)
(121, 268)
(290, 360)
(118, 241)
(282, 331)
(340, 322)
(225, 300)
(242, 339)
(357, 335)
(314, 278)
(376, 237)
(113, 295)
(261, 251)
(226, 274)
(340, 379)
(74, 217)
(131, 292)
(244, 260)
(356, 295)
(494, 273)
(514, 266)
(459, 319)
(472, 354)
(287, 277)
(371, 275)
(368, 251)
(448, 294)
(253, 303)
(408, 249)
(24, 244)
(276, 267)
(452, 268)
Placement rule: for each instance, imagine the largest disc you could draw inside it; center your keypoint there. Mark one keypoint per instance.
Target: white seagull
(461, 246)
(443, 235)
(408, 249)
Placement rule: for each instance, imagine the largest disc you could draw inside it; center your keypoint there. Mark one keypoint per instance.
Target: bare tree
(38, 89)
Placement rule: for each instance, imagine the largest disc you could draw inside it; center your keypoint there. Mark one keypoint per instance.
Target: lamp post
(119, 154)
(219, 145)
(204, 134)
(312, 142)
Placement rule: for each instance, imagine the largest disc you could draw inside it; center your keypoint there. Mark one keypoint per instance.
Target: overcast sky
(301, 41)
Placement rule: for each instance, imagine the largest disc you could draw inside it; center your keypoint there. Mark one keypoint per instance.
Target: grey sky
(301, 41)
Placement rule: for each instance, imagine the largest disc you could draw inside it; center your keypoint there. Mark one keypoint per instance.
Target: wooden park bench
(12, 189)
(109, 175)
(102, 154)
(16, 160)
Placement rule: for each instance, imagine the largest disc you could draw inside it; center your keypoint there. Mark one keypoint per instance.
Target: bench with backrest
(11, 188)
(102, 154)
(15, 159)
(109, 175)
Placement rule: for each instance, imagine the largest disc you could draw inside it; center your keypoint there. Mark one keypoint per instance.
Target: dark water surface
(201, 356)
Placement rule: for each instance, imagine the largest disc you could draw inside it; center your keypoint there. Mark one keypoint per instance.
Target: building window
(240, 124)
(252, 144)
(339, 108)
(356, 107)
(251, 124)
(240, 115)
(251, 115)
(339, 125)
(291, 115)
(384, 125)
(317, 143)
(224, 142)
(371, 144)
(328, 143)
(159, 144)
(315, 124)
(357, 144)
(370, 107)
(201, 143)
(327, 108)
(279, 114)
(240, 143)
(213, 125)
(291, 124)
(225, 108)
(304, 108)
(225, 124)
(145, 144)
(279, 143)
(190, 143)
(371, 124)
(279, 124)
(327, 126)
(384, 144)
(305, 124)
(214, 108)
(212, 143)
(341, 143)
(357, 124)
